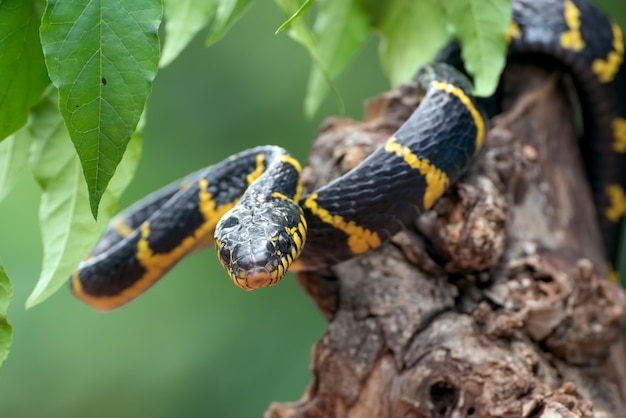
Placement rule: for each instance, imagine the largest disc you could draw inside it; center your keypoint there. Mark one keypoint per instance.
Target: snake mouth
(254, 278)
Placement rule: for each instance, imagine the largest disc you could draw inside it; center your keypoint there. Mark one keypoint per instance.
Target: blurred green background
(194, 345)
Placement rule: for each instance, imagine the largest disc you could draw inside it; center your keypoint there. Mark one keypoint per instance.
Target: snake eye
(283, 243)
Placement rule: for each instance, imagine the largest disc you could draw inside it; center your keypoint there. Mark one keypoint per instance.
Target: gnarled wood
(495, 304)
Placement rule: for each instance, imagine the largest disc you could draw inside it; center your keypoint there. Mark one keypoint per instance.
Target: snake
(251, 206)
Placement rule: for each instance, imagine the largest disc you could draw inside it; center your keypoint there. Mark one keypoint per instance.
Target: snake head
(256, 244)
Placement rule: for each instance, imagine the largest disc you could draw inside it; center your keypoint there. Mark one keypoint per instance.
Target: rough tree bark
(495, 304)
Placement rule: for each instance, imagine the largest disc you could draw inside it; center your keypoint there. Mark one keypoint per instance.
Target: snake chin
(254, 278)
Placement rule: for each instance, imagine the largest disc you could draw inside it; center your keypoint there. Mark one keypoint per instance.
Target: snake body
(577, 37)
(251, 205)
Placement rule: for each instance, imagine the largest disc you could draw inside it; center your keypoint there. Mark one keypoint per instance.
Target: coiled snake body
(251, 205)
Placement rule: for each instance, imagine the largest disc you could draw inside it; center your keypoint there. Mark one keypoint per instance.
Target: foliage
(102, 57)
(81, 73)
(5, 329)
(67, 227)
(411, 33)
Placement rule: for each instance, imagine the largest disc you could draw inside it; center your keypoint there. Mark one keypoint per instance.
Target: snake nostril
(230, 222)
(225, 254)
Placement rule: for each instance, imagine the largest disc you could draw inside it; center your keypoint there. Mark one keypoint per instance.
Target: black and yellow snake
(251, 205)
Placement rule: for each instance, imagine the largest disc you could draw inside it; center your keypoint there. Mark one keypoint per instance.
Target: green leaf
(24, 76)
(298, 28)
(67, 228)
(341, 27)
(301, 10)
(479, 25)
(13, 159)
(227, 14)
(412, 33)
(301, 33)
(6, 292)
(102, 55)
(183, 20)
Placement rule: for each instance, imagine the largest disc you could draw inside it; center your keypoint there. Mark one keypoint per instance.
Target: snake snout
(255, 278)
(253, 266)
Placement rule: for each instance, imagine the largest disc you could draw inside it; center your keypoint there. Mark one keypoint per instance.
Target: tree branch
(495, 303)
